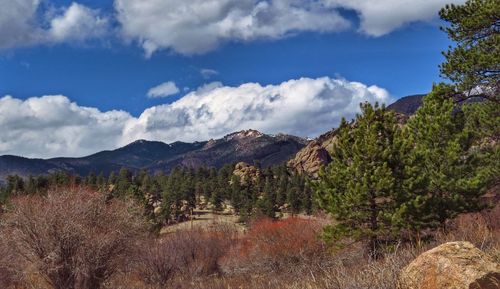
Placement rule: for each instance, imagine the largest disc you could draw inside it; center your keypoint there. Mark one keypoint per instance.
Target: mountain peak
(249, 133)
(139, 141)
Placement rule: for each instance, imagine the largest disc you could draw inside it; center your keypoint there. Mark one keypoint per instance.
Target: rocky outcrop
(310, 159)
(453, 265)
(246, 173)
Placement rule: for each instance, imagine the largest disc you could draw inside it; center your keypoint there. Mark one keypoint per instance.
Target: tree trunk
(373, 243)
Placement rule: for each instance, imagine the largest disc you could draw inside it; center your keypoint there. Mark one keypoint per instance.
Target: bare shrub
(183, 255)
(7, 275)
(70, 238)
(481, 229)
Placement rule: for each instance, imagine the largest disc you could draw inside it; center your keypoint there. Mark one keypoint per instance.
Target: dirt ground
(206, 219)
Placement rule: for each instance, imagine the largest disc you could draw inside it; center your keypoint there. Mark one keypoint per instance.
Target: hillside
(247, 146)
(407, 105)
(316, 154)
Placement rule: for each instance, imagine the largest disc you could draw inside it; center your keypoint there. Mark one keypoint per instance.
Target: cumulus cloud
(16, 22)
(198, 26)
(78, 23)
(304, 107)
(163, 90)
(50, 126)
(25, 22)
(383, 16)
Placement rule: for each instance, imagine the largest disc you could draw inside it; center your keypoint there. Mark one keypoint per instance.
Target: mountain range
(243, 146)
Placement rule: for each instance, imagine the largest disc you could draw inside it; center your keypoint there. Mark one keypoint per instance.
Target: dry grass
(206, 220)
(285, 254)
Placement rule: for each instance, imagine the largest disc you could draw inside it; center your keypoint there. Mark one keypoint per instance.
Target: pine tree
(236, 194)
(361, 187)
(124, 181)
(444, 175)
(475, 59)
(101, 182)
(91, 180)
(31, 186)
(266, 202)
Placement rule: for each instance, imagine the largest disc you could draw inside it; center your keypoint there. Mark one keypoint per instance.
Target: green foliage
(182, 190)
(361, 187)
(475, 59)
(444, 176)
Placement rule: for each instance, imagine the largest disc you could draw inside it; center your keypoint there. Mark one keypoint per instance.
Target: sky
(80, 77)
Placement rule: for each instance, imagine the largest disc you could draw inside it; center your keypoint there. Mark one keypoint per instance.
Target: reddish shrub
(272, 245)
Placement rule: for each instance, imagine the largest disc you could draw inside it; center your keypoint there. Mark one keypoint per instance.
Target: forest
(393, 190)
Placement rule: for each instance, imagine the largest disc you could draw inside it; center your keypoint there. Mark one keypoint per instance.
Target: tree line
(172, 197)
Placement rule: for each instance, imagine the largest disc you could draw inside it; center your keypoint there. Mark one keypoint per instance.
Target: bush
(183, 255)
(276, 246)
(69, 238)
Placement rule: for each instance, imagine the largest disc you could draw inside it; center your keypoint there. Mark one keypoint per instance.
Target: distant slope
(247, 146)
(136, 155)
(407, 105)
(317, 153)
(14, 165)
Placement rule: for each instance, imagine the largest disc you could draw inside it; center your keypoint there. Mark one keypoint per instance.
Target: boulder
(246, 173)
(310, 159)
(453, 265)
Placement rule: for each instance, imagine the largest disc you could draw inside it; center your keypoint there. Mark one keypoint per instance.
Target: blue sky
(106, 56)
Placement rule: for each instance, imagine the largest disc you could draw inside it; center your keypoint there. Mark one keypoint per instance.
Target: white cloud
(25, 22)
(163, 90)
(208, 73)
(305, 107)
(384, 16)
(54, 126)
(78, 23)
(199, 26)
(16, 22)
(51, 126)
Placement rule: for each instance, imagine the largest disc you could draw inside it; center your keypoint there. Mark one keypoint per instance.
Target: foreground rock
(454, 265)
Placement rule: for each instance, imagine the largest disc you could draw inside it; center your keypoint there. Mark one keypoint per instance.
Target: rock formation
(453, 265)
(310, 159)
(246, 173)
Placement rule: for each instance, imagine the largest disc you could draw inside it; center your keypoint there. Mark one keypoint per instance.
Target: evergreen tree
(475, 59)
(91, 180)
(124, 181)
(112, 179)
(31, 186)
(266, 202)
(361, 187)
(236, 198)
(101, 182)
(307, 204)
(293, 200)
(15, 185)
(444, 175)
